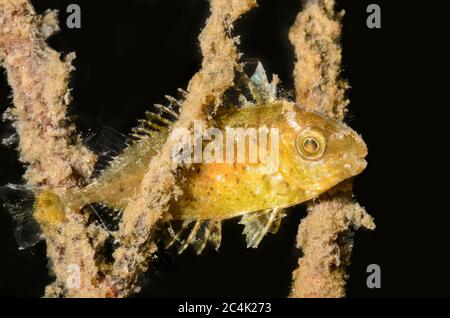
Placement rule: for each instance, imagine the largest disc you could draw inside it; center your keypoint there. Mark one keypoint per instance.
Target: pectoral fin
(257, 224)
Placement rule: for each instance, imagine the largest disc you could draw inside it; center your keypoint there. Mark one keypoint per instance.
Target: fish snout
(361, 147)
(360, 151)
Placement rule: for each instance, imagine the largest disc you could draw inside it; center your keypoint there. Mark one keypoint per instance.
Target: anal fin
(257, 224)
(202, 232)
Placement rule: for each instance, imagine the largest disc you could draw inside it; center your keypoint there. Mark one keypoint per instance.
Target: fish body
(118, 183)
(314, 153)
(225, 190)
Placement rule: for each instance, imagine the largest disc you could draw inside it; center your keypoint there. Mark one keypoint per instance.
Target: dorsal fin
(107, 143)
(262, 91)
(257, 224)
(161, 117)
(249, 91)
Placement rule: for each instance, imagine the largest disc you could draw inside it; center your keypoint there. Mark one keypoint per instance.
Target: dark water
(131, 53)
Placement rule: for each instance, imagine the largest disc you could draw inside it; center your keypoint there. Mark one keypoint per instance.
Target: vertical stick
(220, 60)
(326, 233)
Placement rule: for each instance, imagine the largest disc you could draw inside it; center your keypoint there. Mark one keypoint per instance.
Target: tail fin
(19, 202)
(33, 212)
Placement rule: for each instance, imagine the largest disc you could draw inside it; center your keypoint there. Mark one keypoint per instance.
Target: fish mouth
(355, 167)
(359, 165)
(358, 162)
(361, 162)
(362, 150)
(360, 145)
(360, 153)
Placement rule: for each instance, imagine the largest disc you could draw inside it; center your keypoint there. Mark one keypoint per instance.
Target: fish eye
(311, 143)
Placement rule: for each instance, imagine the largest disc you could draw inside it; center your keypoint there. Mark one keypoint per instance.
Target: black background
(131, 53)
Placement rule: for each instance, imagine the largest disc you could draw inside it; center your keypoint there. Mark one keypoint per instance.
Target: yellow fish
(313, 154)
